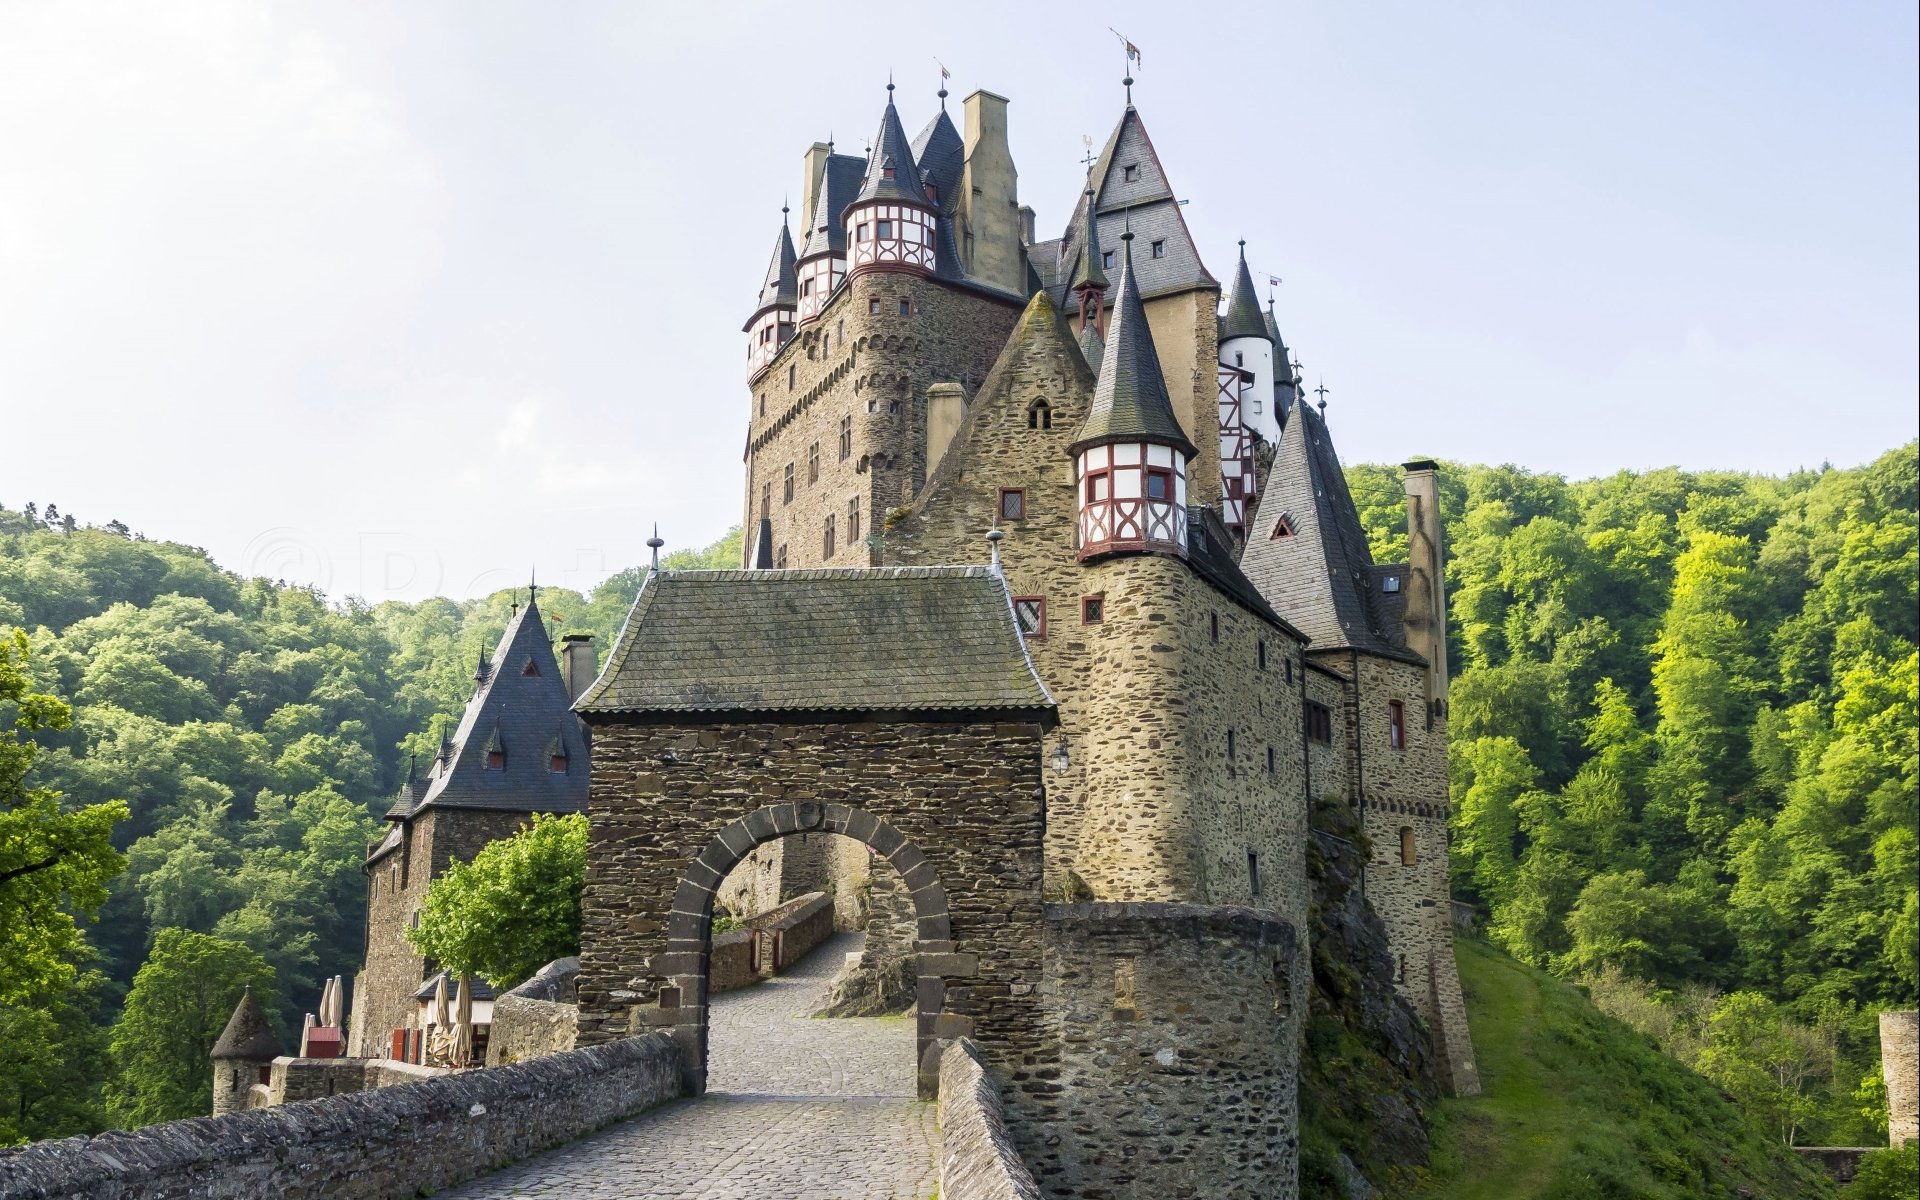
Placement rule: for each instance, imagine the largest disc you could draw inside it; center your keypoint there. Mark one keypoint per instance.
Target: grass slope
(1579, 1105)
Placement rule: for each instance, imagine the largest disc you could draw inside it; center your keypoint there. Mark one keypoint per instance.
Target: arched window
(1039, 415)
(1409, 853)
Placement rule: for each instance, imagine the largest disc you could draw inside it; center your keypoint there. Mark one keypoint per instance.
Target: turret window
(1270, 760)
(1263, 655)
(1106, 259)
(906, 308)
(1160, 248)
(1159, 484)
(883, 229)
(1213, 627)
(1409, 851)
(1030, 613)
(1130, 173)
(860, 232)
(1396, 725)
(873, 306)
(1013, 504)
(1231, 749)
(1099, 486)
(806, 286)
(1253, 873)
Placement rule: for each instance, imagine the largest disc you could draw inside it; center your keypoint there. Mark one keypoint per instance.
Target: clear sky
(405, 299)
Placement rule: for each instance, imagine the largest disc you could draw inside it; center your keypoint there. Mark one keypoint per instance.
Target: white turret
(891, 224)
(772, 322)
(1245, 343)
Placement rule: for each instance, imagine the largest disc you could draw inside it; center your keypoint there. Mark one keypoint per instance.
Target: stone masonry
(1900, 1063)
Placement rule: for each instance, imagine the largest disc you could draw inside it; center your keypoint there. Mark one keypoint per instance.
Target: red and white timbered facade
(1133, 497)
(817, 278)
(889, 237)
(769, 330)
(1236, 445)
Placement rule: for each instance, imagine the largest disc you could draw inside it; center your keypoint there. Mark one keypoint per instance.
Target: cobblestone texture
(796, 1108)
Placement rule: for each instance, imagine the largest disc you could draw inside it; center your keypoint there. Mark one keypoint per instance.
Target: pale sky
(407, 299)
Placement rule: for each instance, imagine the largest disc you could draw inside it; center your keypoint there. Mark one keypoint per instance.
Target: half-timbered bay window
(1133, 497)
(891, 237)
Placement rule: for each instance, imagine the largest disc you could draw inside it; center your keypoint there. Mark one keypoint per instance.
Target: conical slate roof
(839, 183)
(516, 710)
(1087, 271)
(1130, 402)
(763, 546)
(1320, 576)
(941, 155)
(247, 1035)
(1243, 318)
(892, 173)
(780, 289)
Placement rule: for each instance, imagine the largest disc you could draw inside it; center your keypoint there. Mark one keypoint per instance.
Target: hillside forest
(1684, 773)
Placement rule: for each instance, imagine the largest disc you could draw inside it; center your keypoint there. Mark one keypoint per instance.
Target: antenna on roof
(654, 543)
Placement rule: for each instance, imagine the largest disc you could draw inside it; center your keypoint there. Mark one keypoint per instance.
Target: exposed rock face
(882, 982)
(1368, 1074)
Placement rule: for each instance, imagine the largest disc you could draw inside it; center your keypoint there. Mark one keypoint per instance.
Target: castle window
(806, 286)
(557, 764)
(1159, 248)
(1320, 723)
(846, 438)
(1159, 483)
(1123, 985)
(1030, 613)
(786, 495)
(1270, 760)
(873, 306)
(883, 229)
(1239, 359)
(1093, 609)
(886, 172)
(1409, 852)
(1130, 173)
(763, 404)
(1213, 627)
(496, 760)
(1253, 872)
(766, 498)
(1230, 747)
(532, 668)
(1289, 672)
(1390, 584)
(780, 557)
(813, 463)
(906, 308)
(1013, 504)
(826, 541)
(853, 520)
(793, 373)
(1403, 970)
(1283, 528)
(860, 232)
(1106, 259)
(840, 333)
(1039, 415)
(1099, 486)
(1263, 655)
(1396, 725)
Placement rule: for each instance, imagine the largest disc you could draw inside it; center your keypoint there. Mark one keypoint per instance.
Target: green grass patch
(1578, 1106)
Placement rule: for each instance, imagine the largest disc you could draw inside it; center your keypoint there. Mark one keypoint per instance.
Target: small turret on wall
(243, 1056)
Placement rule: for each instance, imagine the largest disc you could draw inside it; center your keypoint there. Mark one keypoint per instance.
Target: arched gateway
(896, 707)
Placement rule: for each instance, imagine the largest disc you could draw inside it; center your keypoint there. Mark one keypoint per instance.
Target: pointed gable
(514, 714)
(839, 184)
(892, 173)
(247, 1035)
(1320, 576)
(1131, 190)
(1130, 402)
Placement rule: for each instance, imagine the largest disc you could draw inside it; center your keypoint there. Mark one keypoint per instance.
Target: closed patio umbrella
(463, 1024)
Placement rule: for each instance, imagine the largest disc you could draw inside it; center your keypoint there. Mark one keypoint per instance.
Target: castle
(1056, 621)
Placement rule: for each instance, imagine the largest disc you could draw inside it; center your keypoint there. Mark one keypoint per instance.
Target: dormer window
(1039, 415)
(1106, 259)
(886, 172)
(1160, 248)
(1283, 528)
(557, 764)
(532, 668)
(496, 760)
(1390, 584)
(1130, 173)
(1030, 613)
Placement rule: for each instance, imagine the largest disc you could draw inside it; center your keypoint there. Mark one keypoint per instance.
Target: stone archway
(689, 925)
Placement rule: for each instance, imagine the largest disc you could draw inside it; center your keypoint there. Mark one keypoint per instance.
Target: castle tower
(822, 263)
(1130, 455)
(773, 321)
(890, 225)
(1286, 381)
(1246, 383)
(243, 1055)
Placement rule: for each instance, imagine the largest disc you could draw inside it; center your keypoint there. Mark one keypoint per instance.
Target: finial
(654, 543)
(1321, 392)
(993, 544)
(889, 87)
(1243, 249)
(532, 574)
(783, 210)
(1128, 84)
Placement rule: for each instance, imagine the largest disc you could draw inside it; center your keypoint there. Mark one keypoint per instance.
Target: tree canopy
(513, 909)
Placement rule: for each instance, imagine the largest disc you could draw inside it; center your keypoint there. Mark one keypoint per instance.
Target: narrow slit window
(1253, 873)
(1396, 725)
(1409, 851)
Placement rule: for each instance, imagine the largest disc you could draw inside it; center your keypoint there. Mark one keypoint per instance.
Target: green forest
(1683, 747)
(1684, 774)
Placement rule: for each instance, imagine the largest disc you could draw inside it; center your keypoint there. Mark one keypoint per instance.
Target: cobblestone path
(796, 1109)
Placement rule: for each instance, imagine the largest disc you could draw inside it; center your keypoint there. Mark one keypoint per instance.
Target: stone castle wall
(1900, 1063)
(524, 1029)
(977, 1157)
(396, 886)
(1179, 1028)
(397, 1141)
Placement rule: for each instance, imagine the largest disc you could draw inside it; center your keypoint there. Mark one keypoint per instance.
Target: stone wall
(731, 966)
(955, 807)
(1900, 1063)
(977, 1158)
(1179, 1037)
(397, 1141)
(524, 1029)
(784, 934)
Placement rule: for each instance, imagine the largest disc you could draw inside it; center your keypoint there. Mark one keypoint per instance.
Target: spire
(1087, 273)
(1243, 307)
(1130, 402)
(892, 173)
(763, 546)
(247, 1035)
(481, 669)
(780, 289)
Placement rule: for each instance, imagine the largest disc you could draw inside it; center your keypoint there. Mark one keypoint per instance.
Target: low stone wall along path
(796, 1109)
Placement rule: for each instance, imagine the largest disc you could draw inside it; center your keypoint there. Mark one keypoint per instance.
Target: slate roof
(523, 714)
(1210, 551)
(941, 154)
(1130, 400)
(1146, 204)
(839, 183)
(1244, 318)
(1088, 271)
(1323, 577)
(780, 289)
(479, 987)
(894, 639)
(247, 1035)
(763, 545)
(891, 149)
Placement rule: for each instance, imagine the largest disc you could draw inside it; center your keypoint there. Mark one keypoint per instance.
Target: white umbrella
(463, 1024)
(306, 1027)
(337, 1003)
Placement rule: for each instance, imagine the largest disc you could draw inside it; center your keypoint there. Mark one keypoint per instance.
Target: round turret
(891, 224)
(773, 322)
(1246, 344)
(243, 1056)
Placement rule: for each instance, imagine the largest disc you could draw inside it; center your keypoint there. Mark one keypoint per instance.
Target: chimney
(1426, 611)
(1026, 225)
(576, 663)
(989, 197)
(946, 407)
(816, 164)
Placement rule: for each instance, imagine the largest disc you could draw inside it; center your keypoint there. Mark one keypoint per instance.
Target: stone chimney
(1027, 225)
(815, 165)
(1426, 611)
(576, 663)
(946, 408)
(989, 197)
